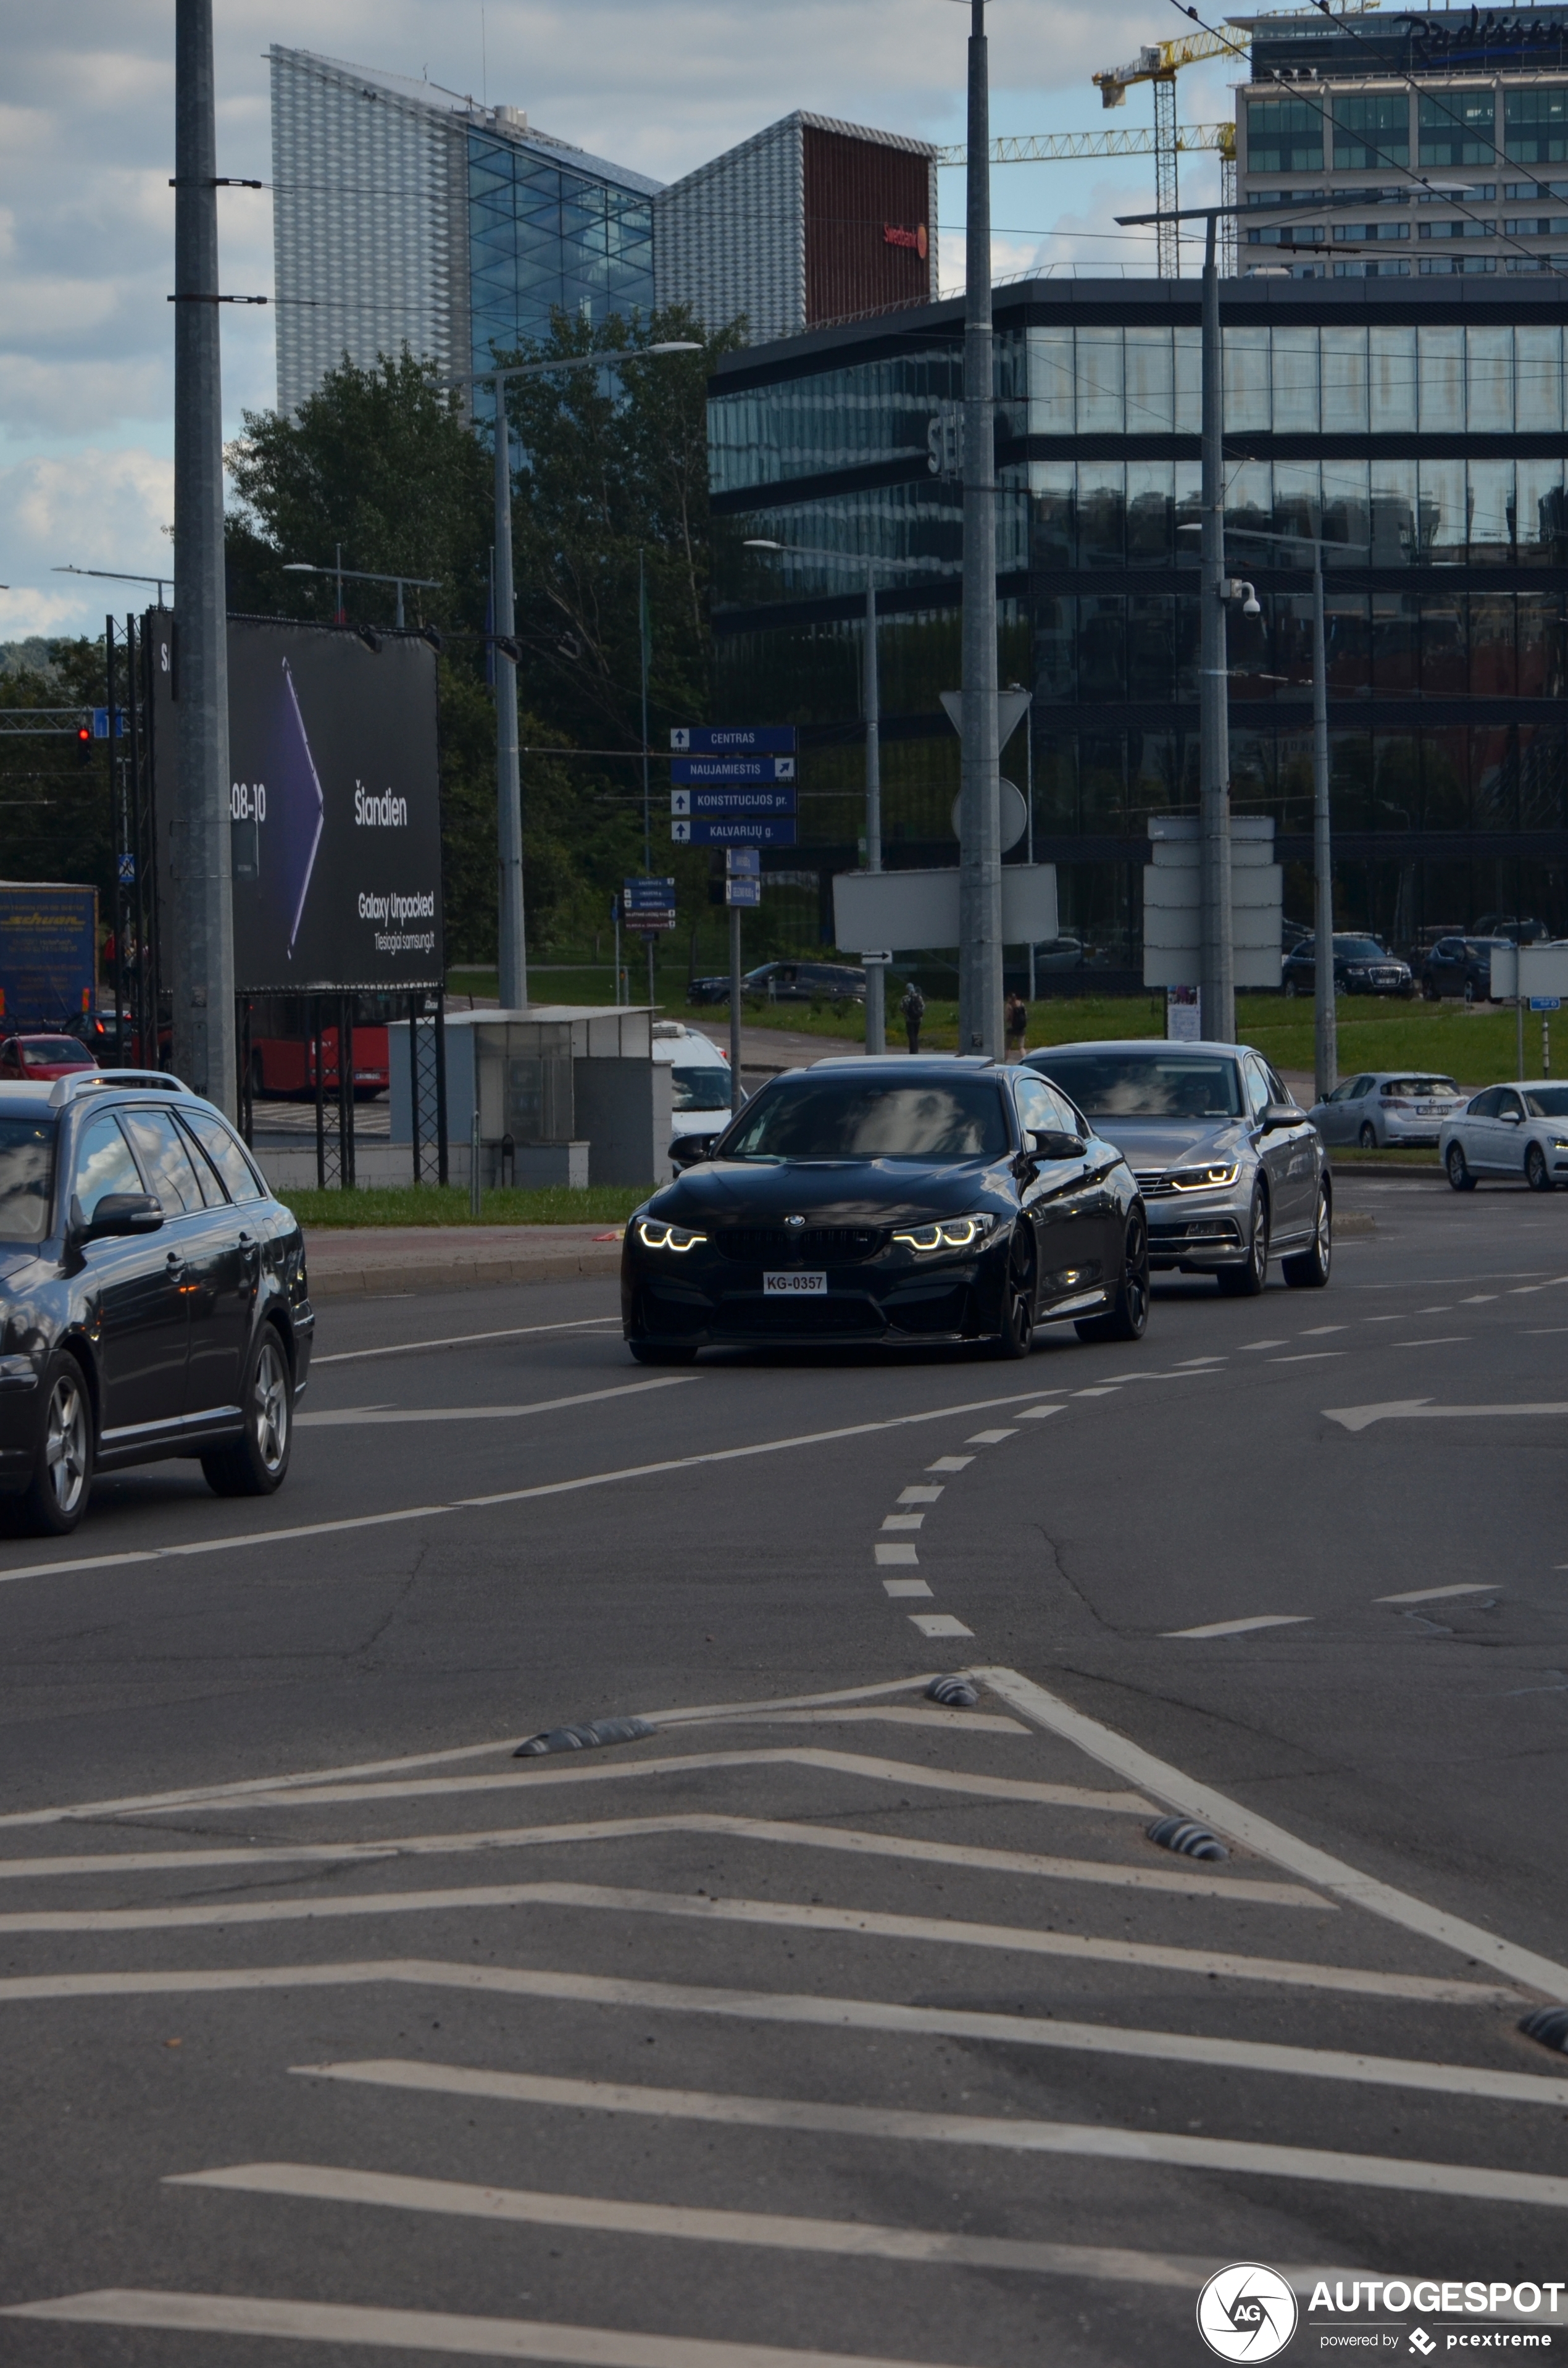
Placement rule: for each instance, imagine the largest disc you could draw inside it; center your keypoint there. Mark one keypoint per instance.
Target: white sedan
(1519, 1130)
(1387, 1106)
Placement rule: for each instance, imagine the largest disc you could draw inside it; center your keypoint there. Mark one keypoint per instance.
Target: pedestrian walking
(914, 1010)
(1017, 1024)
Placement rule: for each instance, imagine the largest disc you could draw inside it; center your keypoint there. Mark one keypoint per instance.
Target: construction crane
(1159, 62)
(1064, 147)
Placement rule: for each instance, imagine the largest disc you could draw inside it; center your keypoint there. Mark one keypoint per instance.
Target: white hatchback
(1388, 1106)
(700, 1080)
(1518, 1130)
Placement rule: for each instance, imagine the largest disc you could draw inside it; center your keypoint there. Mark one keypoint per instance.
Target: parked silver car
(1382, 1107)
(1232, 1172)
(1518, 1130)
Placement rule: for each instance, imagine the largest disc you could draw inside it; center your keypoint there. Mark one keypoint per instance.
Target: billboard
(49, 949)
(334, 809)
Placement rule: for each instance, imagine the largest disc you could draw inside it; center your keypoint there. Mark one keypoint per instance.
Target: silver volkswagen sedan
(1232, 1171)
(1382, 1107)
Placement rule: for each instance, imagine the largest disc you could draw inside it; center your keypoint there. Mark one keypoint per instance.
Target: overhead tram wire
(1543, 264)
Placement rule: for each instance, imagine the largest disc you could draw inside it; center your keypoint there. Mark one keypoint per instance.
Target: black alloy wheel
(1367, 1138)
(255, 1464)
(1016, 1336)
(1128, 1315)
(56, 1496)
(1538, 1175)
(660, 1352)
(1247, 1281)
(1308, 1269)
(1457, 1167)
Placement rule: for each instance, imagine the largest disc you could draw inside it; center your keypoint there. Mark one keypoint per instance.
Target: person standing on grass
(914, 1010)
(1017, 1025)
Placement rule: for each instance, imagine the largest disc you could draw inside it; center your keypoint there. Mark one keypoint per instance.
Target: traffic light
(84, 744)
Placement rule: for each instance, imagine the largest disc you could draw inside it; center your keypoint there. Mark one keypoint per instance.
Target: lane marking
(424, 2330)
(919, 1496)
(1183, 1881)
(1481, 1299)
(905, 1587)
(1444, 1340)
(801, 2011)
(1436, 1594)
(537, 1777)
(339, 1418)
(940, 1623)
(1039, 1413)
(1242, 1627)
(903, 1520)
(1102, 2140)
(459, 1341)
(1104, 1390)
(988, 1438)
(891, 1553)
(1262, 1344)
(857, 2240)
(519, 1496)
(1423, 1410)
(1337, 1876)
(782, 1915)
(1310, 1356)
(1316, 1331)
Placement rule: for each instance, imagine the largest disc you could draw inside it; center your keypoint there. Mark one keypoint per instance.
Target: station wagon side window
(104, 1165)
(224, 1151)
(166, 1160)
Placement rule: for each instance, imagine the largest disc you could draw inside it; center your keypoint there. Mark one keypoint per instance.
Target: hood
(836, 1192)
(1162, 1143)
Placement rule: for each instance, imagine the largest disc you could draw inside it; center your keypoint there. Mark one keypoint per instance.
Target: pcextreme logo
(1247, 2312)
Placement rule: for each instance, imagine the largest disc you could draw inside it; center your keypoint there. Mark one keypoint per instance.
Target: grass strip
(435, 1205)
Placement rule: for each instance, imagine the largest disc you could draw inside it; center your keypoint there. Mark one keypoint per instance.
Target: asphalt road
(823, 2022)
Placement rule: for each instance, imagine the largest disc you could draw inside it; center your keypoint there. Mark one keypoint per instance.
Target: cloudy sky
(86, 216)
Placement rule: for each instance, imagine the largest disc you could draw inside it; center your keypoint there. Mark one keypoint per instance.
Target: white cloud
(94, 509)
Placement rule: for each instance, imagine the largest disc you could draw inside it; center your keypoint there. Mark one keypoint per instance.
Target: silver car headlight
(1214, 1179)
(655, 1235)
(946, 1234)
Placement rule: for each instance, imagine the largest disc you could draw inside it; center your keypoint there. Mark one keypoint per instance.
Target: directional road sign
(692, 769)
(1546, 1003)
(740, 890)
(648, 895)
(732, 803)
(732, 739)
(744, 859)
(744, 830)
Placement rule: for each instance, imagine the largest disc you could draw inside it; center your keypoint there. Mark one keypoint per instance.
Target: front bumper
(896, 1298)
(1194, 1240)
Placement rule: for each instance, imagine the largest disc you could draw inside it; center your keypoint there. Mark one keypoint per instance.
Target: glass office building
(1419, 426)
(550, 233)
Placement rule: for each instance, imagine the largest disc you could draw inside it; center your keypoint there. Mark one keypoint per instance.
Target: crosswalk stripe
(424, 2330)
(803, 2011)
(1179, 1881)
(1103, 2141)
(794, 1915)
(1128, 1759)
(533, 1778)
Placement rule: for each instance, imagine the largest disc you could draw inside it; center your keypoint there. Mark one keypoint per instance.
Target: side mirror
(688, 1150)
(1280, 1114)
(124, 1212)
(1510, 1118)
(1047, 1145)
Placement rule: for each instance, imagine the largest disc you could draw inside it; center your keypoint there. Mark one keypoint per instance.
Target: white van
(700, 1098)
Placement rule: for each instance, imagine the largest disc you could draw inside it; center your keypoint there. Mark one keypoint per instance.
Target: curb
(365, 1278)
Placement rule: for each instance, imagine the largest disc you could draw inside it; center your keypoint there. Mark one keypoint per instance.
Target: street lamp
(361, 575)
(512, 981)
(876, 976)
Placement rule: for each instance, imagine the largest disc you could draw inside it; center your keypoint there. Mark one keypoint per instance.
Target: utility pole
(1325, 1020)
(1216, 968)
(643, 639)
(876, 972)
(512, 984)
(980, 852)
(201, 942)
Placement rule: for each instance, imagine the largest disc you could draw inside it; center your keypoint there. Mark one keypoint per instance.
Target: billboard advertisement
(334, 809)
(48, 951)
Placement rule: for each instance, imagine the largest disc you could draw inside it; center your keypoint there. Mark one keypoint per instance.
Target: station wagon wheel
(56, 1495)
(255, 1463)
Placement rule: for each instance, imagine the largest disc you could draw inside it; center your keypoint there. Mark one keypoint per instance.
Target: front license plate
(794, 1284)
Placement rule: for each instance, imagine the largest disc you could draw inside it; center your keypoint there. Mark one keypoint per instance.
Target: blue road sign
(732, 739)
(732, 801)
(745, 830)
(648, 895)
(743, 891)
(747, 860)
(1546, 1003)
(127, 871)
(100, 724)
(692, 769)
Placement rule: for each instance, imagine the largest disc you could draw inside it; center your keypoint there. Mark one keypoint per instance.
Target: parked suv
(1460, 966)
(1360, 967)
(152, 1295)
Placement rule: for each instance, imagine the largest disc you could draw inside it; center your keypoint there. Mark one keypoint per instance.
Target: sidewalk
(368, 1261)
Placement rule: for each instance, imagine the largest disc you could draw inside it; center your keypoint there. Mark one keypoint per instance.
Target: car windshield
(1146, 1085)
(1548, 1101)
(862, 1118)
(47, 1052)
(1360, 948)
(1405, 1085)
(27, 1173)
(702, 1086)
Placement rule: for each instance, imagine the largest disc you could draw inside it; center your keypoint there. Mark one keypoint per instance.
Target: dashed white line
(1481, 1299)
(1310, 1357)
(1242, 1627)
(1262, 1344)
(950, 1463)
(1316, 1331)
(1038, 1413)
(919, 1496)
(940, 1623)
(337, 1417)
(1446, 1340)
(459, 1341)
(988, 1438)
(894, 1553)
(903, 1521)
(905, 1587)
(1436, 1594)
(1105, 1390)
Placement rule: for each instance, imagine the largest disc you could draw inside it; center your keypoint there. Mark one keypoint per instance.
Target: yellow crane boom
(1063, 147)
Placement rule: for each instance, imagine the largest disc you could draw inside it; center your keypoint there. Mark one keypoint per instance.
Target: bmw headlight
(1206, 1179)
(655, 1235)
(946, 1234)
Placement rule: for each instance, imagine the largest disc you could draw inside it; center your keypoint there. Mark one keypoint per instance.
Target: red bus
(283, 1045)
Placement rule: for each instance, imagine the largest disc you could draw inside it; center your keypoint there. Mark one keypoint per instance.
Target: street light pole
(876, 972)
(1325, 1020)
(1216, 969)
(980, 851)
(202, 940)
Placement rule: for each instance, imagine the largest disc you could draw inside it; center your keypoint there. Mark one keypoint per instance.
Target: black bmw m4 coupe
(894, 1201)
